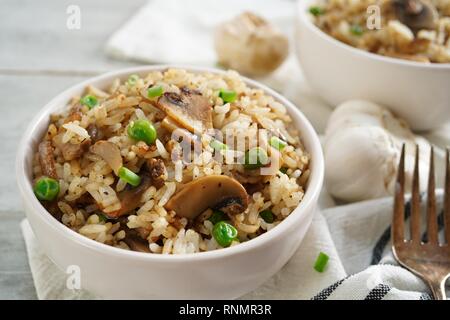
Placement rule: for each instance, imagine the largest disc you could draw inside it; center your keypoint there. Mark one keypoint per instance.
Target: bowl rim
(304, 17)
(309, 200)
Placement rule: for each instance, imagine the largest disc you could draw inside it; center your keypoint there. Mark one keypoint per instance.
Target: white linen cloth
(355, 236)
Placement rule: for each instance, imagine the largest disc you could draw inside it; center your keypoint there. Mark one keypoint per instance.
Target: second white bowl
(417, 92)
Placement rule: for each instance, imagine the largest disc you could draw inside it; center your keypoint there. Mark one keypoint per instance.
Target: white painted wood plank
(34, 34)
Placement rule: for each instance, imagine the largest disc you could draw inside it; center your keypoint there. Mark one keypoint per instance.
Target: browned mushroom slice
(215, 191)
(69, 150)
(95, 132)
(46, 159)
(157, 171)
(188, 108)
(130, 198)
(137, 244)
(416, 14)
(169, 124)
(110, 153)
(181, 135)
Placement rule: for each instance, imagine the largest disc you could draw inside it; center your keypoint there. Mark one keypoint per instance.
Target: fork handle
(438, 289)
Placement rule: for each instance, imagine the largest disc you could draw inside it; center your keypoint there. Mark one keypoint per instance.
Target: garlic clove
(362, 148)
(250, 45)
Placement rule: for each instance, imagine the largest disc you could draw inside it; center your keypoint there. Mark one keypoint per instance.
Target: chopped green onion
(277, 143)
(227, 95)
(155, 91)
(255, 158)
(283, 170)
(316, 11)
(267, 216)
(356, 30)
(217, 145)
(46, 189)
(129, 176)
(102, 217)
(224, 233)
(132, 79)
(89, 101)
(321, 262)
(142, 130)
(217, 216)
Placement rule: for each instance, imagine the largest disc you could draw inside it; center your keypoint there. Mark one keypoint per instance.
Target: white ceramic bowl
(116, 273)
(419, 93)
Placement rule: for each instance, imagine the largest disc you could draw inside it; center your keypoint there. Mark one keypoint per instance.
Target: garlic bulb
(250, 45)
(362, 149)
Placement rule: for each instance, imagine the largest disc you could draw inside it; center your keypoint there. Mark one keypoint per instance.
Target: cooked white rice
(90, 190)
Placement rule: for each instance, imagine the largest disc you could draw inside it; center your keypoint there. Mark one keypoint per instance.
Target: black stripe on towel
(425, 296)
(325, 293)
(377, 252)
(379, 292)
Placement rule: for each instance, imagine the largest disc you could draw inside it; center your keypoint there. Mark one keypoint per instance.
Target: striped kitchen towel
(361, 233)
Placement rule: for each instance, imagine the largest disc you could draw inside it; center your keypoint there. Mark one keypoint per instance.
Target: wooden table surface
(39, 57)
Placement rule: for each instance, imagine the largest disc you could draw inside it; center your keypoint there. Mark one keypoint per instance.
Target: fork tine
(399, 203)
(447, 197)
(432, 227)
(415, 202)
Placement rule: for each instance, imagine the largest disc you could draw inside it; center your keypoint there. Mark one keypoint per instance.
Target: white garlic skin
(362, 149)
(250, 45)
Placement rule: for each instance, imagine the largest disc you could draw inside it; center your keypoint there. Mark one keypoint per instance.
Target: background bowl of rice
(111, 272)
(418, 92)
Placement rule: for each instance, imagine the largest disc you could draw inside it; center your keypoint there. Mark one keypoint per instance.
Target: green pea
(267, 216)
(46, 188)
(155, 91)
(142, 130)
(132, 79)
(217, 216)
(217, 145)
(277, 143)
(89, 101)
(129, 176)
(283, 170)
(227, 95)
(224, 233)
(255, 158)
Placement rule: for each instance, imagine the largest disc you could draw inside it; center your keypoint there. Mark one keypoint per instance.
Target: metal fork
(429, 260)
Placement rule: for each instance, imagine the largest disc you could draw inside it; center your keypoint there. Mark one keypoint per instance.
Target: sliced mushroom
(181, 134)
(110, 153)
(215, 191)
(75, 114)
(130, 198)
(416, 14)
(169, 124)
(157, 171)
(46, 159)
(188, 108)
(95, 132)
(252, 188)
(70, 150)
(137, 244)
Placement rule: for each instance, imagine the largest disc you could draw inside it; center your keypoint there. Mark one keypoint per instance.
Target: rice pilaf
(121, 190)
